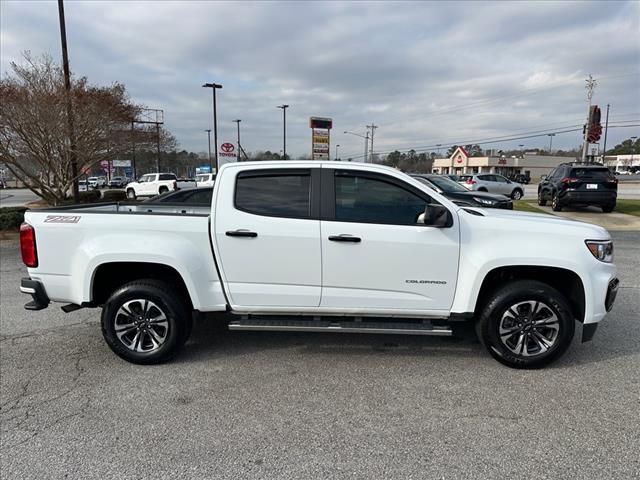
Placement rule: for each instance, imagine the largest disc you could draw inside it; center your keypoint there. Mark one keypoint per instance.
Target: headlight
(602, 250)
(484, 201)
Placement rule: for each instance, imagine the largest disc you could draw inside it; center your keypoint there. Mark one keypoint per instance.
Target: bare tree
(33, 139)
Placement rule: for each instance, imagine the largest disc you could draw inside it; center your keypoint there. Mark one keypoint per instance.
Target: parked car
(579, 184)
(522, 178)
(205, 180)
(492, 183)
(192, 196)
(324, 247)
(118, 182)
(83, 185)
(97, 182)
(152, 184)
(455, 178)
(462, 196)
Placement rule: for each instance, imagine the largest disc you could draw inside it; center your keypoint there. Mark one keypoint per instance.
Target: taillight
(471, 181)
(28, 245)
(570, 180)
(612, 180)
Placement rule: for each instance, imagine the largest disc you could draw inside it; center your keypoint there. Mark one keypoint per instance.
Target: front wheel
(541, 200)
(131, 194)
(527, 324)
(516, 194)
(556, 206)
(145, 322)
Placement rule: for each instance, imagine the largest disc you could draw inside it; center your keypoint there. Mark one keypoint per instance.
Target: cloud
(425, 72)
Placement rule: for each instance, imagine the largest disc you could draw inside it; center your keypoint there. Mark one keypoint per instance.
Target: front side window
(371, 200)
(277, 194)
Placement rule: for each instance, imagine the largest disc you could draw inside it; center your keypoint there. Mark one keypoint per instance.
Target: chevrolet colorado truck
(322, 247)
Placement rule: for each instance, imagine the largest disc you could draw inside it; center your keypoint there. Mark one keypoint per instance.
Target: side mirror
(436, 216)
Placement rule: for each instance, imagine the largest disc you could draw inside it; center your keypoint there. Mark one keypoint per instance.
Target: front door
(375, 255)
(267, 235)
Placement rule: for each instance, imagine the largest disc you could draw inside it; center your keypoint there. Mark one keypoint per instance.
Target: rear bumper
(589, 197)
(38, 294)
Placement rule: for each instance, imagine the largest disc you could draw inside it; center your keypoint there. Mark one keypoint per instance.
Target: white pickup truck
(153, 184)
(322, 247)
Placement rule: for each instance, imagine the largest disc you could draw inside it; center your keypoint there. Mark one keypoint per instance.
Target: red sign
(227, 147)
(502, 161)
(459, 159)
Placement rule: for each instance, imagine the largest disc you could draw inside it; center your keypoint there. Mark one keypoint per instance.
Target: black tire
(516, 194)
(169, 335)
(548, 302)
(541, 200)
(608, 208)
(556, 206)
(162, 190)
(131, 194)
(482, 189)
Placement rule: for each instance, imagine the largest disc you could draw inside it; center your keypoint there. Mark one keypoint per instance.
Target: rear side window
(277, 194)
(602, 173)
(167, 176)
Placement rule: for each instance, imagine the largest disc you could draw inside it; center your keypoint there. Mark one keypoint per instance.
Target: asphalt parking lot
(297, 405)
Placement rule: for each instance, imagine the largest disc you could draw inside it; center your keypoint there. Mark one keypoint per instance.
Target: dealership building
(621, 163)
(461, 163)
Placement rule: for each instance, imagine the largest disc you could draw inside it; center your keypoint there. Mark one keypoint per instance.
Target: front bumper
(38, 294)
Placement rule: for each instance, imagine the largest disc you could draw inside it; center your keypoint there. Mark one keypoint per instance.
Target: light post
(337, 152)
(208, 130)
(366, 142)
(551, 135)
(237, 122)
(633, 151)
(214, 87)
(284, 130)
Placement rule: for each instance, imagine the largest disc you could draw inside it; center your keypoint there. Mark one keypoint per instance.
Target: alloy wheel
(141, 325)
(529, 328)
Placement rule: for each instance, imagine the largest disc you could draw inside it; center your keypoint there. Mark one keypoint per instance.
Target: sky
(426, 73)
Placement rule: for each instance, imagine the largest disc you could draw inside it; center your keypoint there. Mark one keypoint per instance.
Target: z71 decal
(62, 219)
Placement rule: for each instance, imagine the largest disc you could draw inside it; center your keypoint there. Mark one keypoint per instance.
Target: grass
(527, 206)
(630, 207)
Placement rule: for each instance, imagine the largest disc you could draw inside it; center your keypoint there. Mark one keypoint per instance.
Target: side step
(384, 327)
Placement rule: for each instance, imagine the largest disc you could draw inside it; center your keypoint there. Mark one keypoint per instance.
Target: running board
(394, 328)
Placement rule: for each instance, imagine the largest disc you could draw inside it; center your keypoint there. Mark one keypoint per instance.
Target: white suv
(152, 184)
(492, 183)
(205, 180)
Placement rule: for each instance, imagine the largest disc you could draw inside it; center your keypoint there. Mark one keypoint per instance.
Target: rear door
(375, 255)
(267, 236)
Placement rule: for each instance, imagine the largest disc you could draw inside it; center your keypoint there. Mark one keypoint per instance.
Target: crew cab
(152, 184)
(322, 247)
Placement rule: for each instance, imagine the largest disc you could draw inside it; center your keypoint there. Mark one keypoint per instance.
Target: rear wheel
(541, 200)
(163, 190)
(516, 194)
(482, 189)
(145, 322)
(526, 325)
(608, 208)
(131, 194)
(556, 206)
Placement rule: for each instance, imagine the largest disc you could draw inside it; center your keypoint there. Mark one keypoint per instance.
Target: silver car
(492, 183)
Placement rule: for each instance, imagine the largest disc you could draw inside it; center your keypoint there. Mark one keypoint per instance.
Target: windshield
(446, 184)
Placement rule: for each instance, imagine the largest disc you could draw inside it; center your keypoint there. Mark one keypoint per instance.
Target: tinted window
(369, 200)
(278, 194)
(202, 196)
(602, 173)
(447, 185)
(167, 176)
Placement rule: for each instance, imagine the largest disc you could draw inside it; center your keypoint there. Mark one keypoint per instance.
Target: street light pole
(337, 152)
(214, 87)
(366, 142)
(284, 130)
(208, 130)
(373, 128)
(67, 87)
(237, 122)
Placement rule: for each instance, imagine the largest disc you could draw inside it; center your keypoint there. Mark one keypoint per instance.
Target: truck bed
(132, 208)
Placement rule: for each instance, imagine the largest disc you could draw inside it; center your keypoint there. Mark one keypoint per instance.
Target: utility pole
(590, 86)
(208, 130)
(237, 122)
(606, 127)
(284, 130)
(214, 87)
(158, 145)
(67, 88)
(373, 128)
(133, 150)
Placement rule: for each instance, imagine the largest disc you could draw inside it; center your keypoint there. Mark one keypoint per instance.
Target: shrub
(11, 217)
(114, 196)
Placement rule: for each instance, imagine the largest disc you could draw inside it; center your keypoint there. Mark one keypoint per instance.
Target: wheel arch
(564, 280)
